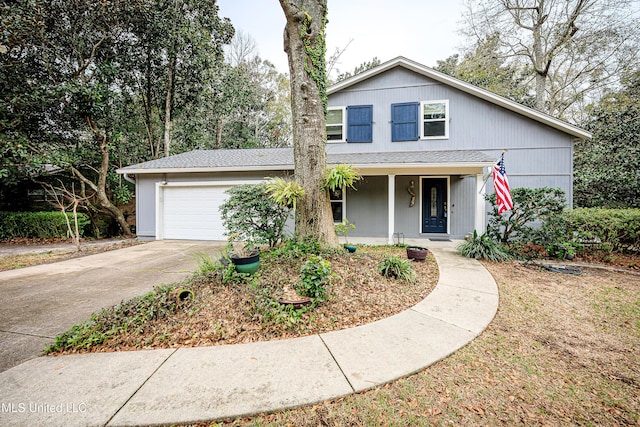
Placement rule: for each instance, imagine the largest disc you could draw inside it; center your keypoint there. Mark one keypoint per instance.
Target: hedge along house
(422, 140)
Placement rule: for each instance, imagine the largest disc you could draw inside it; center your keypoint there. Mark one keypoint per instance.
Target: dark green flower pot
(249, 264)
(350, 248)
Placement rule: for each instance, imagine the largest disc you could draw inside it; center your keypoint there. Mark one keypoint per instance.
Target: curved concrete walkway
(201, 384)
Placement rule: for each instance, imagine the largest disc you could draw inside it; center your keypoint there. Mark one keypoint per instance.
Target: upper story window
(411, 121)
(435, 119)
(351, 124)
(335, 124)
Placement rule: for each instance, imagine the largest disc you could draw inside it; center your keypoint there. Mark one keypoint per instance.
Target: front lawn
(562, 350)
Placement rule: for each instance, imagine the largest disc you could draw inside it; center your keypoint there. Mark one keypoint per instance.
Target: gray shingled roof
(267, 157)
(282, 158)
(411, 157)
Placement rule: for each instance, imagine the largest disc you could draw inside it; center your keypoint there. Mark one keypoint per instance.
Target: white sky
(422, 30)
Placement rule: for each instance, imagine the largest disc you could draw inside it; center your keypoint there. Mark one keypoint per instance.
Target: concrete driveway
(37, 303)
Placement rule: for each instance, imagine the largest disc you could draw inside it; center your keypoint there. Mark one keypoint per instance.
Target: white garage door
(191, 213)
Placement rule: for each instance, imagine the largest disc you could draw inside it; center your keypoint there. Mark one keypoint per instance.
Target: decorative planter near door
(249, 264)
(417, 253)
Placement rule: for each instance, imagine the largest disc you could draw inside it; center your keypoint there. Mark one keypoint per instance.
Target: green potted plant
(343, 229)
(244, 256)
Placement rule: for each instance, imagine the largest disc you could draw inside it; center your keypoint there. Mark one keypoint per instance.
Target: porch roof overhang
(281, 159)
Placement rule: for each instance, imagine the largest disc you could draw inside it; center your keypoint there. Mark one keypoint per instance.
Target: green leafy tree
(246, 104)
(607, 167)
(178, 52)
(63, 114)
(88, 81)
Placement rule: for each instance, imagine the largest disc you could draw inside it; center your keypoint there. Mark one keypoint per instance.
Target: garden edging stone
(221, 382)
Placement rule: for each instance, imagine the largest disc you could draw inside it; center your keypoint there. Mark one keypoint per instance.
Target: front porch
(421, 242)
(428, 204)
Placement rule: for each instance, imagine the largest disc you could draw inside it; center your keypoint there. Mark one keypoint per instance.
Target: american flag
(501, 186)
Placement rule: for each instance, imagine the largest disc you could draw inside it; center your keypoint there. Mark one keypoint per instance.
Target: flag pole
(488, 175)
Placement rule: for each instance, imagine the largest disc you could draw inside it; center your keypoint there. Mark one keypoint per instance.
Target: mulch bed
(226, 314)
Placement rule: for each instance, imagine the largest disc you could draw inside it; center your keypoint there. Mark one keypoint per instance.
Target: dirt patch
(623, 261)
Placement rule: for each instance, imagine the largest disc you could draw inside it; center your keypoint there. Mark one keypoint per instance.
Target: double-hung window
(338, 202)
(411, 121)
(350, 124)
(435, 119)
(335, 124)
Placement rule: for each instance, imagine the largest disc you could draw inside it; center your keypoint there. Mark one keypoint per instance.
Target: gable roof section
(464, 87)
(264, 159)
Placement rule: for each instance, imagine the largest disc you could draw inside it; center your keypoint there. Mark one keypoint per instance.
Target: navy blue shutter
(404, 121)
(360, 123)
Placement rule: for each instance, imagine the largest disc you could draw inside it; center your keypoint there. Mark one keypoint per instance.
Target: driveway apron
(37, 303)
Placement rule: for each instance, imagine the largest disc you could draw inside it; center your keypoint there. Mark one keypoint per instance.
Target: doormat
(439, 240)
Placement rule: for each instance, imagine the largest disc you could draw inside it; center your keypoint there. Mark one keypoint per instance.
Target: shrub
(393, 266)
(612, 230)
(532, 207)
(554, 236)
(38, 224)
(252, 215)
(314, 278)
(482, 247)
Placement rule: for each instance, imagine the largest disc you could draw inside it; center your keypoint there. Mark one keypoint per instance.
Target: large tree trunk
(304, 42)
(540, 62)
(168, 105)
(100, 187)
(147, 101)
(219, 126)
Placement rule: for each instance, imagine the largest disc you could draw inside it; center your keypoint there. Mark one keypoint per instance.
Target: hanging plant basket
(417, 253)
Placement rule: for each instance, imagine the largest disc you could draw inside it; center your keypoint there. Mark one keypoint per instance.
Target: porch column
(392, 207)
(480, 204)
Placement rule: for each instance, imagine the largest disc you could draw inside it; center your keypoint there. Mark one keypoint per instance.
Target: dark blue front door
(434, 205)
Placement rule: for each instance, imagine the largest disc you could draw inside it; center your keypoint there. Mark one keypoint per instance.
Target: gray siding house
(422, 140)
